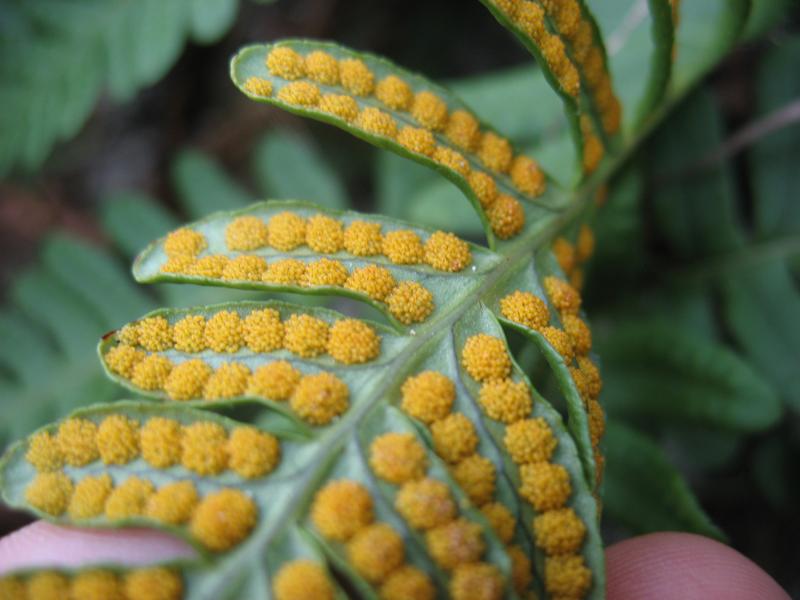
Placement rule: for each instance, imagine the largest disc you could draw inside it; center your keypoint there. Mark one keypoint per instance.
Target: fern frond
(415, 458)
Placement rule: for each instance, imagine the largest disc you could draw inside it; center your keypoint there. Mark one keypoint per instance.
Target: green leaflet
(566, 42)
(699, 215)
(759, 303)
(528, 278)
(581, 467)
(763, 15)
(664, 373)
(507, 21)
(770, 158)
(357, 377)
(86, 46)
(645, 492)
(697, 51)
(444, 286)
(569, 102)
(663, 32)
(250, 63)
(695, 228)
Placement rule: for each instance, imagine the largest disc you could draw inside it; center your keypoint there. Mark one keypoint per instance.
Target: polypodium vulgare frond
(409, 459)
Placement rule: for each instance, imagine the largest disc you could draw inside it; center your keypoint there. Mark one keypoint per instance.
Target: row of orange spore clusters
(578, 31)
(451, 138)
(427, 504)
(529, 441)
(343, 512)
(408, 301)
(153, 583)
(581, 55)
(571, 256)
(287, 231)
(429, 397)
(204, 447)
(326, 235)
(316, 398)
(573, 343)
(348, 341)
(572, 55)
(219, 520)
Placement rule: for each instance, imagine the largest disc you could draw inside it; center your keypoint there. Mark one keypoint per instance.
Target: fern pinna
(308, 454)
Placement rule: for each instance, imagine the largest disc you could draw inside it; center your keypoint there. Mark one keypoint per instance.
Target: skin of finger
(682, 566)
(41, 545)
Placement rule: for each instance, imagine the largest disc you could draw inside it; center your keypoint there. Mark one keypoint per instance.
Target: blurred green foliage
(57, 57)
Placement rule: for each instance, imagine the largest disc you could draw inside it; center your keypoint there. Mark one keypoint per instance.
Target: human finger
(682, 566)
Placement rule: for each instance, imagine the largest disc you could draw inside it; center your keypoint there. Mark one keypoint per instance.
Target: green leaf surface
(699, 215)
(706, 31)
(764, 14)
(445, 287)
(440, 205)
(632, 51)
(25, 352)
(654, 370)
(663, 33)
(250, 62)
(761, 305)
(73, 324)
(645, 492)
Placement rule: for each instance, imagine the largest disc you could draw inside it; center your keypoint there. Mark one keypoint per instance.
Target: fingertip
(682, 566)
(42, 544)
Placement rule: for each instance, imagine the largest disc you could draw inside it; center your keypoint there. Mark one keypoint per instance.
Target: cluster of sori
(343, 513)
(572, 256)
(578, 32)
(429, 397)
(529, 441)
(218, 520)
(408, 301)
(154, 583)
(573, 343)
(316, 397)
(303, 579)
(419, 120)
(575, 58)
